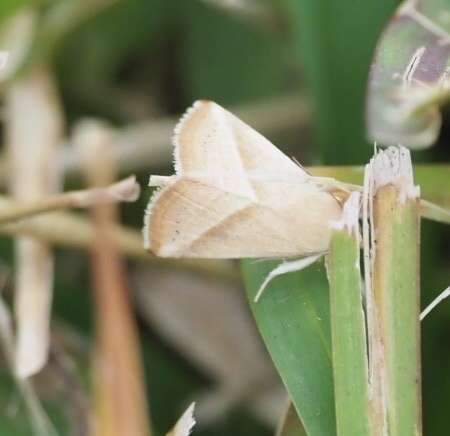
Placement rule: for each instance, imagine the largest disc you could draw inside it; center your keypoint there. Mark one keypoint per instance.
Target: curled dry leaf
(409, 78)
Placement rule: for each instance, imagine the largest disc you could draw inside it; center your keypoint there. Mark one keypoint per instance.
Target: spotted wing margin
(190, 218)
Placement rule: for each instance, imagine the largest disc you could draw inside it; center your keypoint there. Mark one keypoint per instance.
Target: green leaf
(108, 42)
(293, 318)
(228, 59)
(336, 40)
(348, 330)
(8, 7)
(410, 75)
(58, 21)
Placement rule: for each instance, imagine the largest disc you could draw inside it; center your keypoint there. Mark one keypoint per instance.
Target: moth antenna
(300, 165)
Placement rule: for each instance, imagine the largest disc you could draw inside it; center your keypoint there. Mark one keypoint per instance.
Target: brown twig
(72, 230)
(125, 190)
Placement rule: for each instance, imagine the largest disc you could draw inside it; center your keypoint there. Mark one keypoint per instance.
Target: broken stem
(396, 288)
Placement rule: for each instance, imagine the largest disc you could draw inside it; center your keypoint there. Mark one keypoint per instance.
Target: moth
(235, 195)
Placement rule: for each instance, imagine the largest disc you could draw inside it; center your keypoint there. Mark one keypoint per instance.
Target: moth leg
(284, 268)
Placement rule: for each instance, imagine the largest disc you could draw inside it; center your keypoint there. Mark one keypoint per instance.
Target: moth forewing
(235, 195)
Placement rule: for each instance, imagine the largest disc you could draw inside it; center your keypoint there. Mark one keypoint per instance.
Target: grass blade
(293, 318)
(350, 366)
(336, 75)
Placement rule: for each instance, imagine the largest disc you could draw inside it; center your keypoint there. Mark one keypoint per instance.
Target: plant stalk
(119, 398)
(395, 281)
(348, 332)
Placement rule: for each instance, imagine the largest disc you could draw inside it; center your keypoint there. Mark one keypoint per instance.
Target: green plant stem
(350, 365)
(434, 180)
(396, 294)
(434, 212)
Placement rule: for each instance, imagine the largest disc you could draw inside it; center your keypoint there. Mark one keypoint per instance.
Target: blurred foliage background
(142, 62)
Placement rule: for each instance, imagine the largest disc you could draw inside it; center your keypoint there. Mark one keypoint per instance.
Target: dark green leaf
(293, 318)
(336, 40)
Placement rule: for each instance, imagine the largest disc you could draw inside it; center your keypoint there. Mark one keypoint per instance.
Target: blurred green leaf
(410, 75)
(107, 43)
(229, 59)
(293, 318)
(57, 21)
(14, 416)
(8, 7)
(336, 40)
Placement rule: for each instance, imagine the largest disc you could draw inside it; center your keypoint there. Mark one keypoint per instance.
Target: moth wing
(260, 157)
(235, 195)
(205, 149)
(212, 144)
(189, 218)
